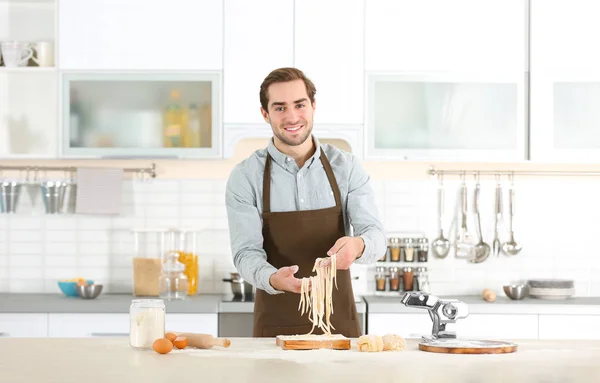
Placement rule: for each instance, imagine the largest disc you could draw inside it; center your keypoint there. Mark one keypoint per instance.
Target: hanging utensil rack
(578, 173)
(151, 171)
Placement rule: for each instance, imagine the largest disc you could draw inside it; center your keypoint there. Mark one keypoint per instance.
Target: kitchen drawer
(569, 327)
(405, 325)
(87, 325)
(24, 325)
(198, 323)
(498, 326)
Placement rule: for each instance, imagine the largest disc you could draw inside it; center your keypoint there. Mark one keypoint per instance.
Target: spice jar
(408, 277)
(146, 322)
(173, 283)
(394, 249)
(422, 279)
(409, 250)
(380, 279)
(422, 249)
(394, 279)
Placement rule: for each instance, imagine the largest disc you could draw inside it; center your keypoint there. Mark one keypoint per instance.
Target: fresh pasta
(316, 295)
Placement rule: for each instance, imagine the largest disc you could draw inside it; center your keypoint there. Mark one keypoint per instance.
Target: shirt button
(289, 159)
(299, 175)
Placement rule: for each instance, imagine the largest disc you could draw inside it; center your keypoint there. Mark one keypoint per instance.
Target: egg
(170, 336)
(180, 342)
(162, 346)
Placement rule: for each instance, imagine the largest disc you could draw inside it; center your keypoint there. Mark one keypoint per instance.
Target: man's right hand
(284, 280)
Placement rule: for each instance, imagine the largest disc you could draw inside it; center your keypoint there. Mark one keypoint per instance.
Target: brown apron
(298, 238)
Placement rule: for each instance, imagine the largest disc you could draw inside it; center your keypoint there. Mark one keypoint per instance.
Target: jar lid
(423, 240)
(380, 269)
(408, 269)
(408, 240)
(172, 264)
(148, 303)
(394, 240)
(393, 269)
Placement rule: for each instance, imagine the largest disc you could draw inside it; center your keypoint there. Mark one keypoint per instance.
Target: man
(293, 202)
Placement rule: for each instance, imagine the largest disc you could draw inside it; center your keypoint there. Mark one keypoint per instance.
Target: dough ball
(393, 342)
(488, 295)
(370, 343)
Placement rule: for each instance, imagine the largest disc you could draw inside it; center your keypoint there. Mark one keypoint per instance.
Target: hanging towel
(99, 190)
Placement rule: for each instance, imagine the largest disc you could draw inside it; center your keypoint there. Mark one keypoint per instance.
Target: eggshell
(162, 346)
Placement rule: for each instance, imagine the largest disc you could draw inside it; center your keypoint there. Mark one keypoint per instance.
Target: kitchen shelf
(28, 70)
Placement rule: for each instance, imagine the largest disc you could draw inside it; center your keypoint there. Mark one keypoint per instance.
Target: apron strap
(332, 181)
(267, 186)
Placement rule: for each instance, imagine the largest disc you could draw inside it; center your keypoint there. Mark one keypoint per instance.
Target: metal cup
(9, 192)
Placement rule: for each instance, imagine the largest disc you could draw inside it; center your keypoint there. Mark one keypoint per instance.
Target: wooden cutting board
(312, 342)
(459, 346)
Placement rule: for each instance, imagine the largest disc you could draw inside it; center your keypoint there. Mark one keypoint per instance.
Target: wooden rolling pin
(204, 340)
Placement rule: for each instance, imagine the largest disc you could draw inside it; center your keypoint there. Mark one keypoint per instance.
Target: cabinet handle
(109, 334)
(4, 334)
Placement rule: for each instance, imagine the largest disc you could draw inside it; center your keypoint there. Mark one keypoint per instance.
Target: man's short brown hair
(285, 75)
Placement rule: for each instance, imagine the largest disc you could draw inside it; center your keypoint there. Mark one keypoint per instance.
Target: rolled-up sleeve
(363, 214)
(245, 232)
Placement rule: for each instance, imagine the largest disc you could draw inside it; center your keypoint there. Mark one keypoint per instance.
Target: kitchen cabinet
(141, 34)
(140, 114)
(446, 116)
(87, 325)
(405, 325)
(565, 82)
(196, 323)
(569, 326)
(24, 325)
(438, 35)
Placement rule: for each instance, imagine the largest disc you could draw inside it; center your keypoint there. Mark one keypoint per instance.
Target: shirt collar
(285, 161)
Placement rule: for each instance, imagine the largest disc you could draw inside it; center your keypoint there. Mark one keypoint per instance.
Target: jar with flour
(147, 322)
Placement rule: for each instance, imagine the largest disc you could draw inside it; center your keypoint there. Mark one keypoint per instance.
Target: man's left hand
(347, 249)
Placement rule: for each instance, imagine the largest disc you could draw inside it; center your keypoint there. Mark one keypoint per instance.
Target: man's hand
(348, 249)
(284, 280)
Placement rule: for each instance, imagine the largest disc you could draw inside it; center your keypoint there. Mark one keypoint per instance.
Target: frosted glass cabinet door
(446, 117)
(565, 117)
(140, 115)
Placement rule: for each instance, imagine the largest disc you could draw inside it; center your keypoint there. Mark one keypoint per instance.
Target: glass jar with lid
(394, 249)
(422, 279)
(394, 279)
(409, 250)
(408, 278)
(146, 322)
(380, 277)
(173, 283)
(422, 249)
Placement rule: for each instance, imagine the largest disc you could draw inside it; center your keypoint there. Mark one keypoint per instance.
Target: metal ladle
(441, 245)
(511, 247)
(482, 249)
(496, 244)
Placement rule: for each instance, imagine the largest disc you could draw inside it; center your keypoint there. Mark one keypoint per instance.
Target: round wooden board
(454, 346)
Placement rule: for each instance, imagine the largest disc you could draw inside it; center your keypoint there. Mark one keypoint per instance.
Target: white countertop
(101, 360)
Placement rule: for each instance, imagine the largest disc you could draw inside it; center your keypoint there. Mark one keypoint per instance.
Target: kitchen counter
(502, 305)
(103, 360)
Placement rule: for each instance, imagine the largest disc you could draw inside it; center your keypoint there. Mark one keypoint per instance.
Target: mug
(44, 54)
(15, 53)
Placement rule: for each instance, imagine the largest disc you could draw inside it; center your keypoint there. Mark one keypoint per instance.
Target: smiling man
(293, 202)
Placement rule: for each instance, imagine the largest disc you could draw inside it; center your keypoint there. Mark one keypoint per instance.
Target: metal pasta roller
(441, 312)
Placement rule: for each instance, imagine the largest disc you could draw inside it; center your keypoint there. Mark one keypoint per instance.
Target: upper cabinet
(565, 81)
(329, 48)
(141, 34)
(440, 35)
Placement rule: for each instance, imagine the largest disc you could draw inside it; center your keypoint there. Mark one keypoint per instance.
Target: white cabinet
(141, 34)
(87, 325)
(329, 48)
(24, 325)
(498, 326)
(569, 326)
(439, 35)
(405, 325)
(565, 81)
(258, 37)
(196, 323)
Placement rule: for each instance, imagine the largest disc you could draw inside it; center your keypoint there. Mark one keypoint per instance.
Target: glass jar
(422, 279)
(409, 250)
(173, 283)
(408, 278)
(190, 262)
(380, 279)
(394, 279)
(394, 249)
(422, 249)
(146, 322)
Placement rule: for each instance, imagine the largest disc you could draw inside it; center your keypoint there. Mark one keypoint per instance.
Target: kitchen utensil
(496, 244)
(551, 293)
(311, 342)
(468, 347)
(441, 245)
(88, 291)
(511, 247)
(551, 283)
(239, 287)
(32, 186)
(10, 192)
(482, 249)
(52, 193)
(204, 341)
(516, 292)
(464, 246)
(68, 287)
